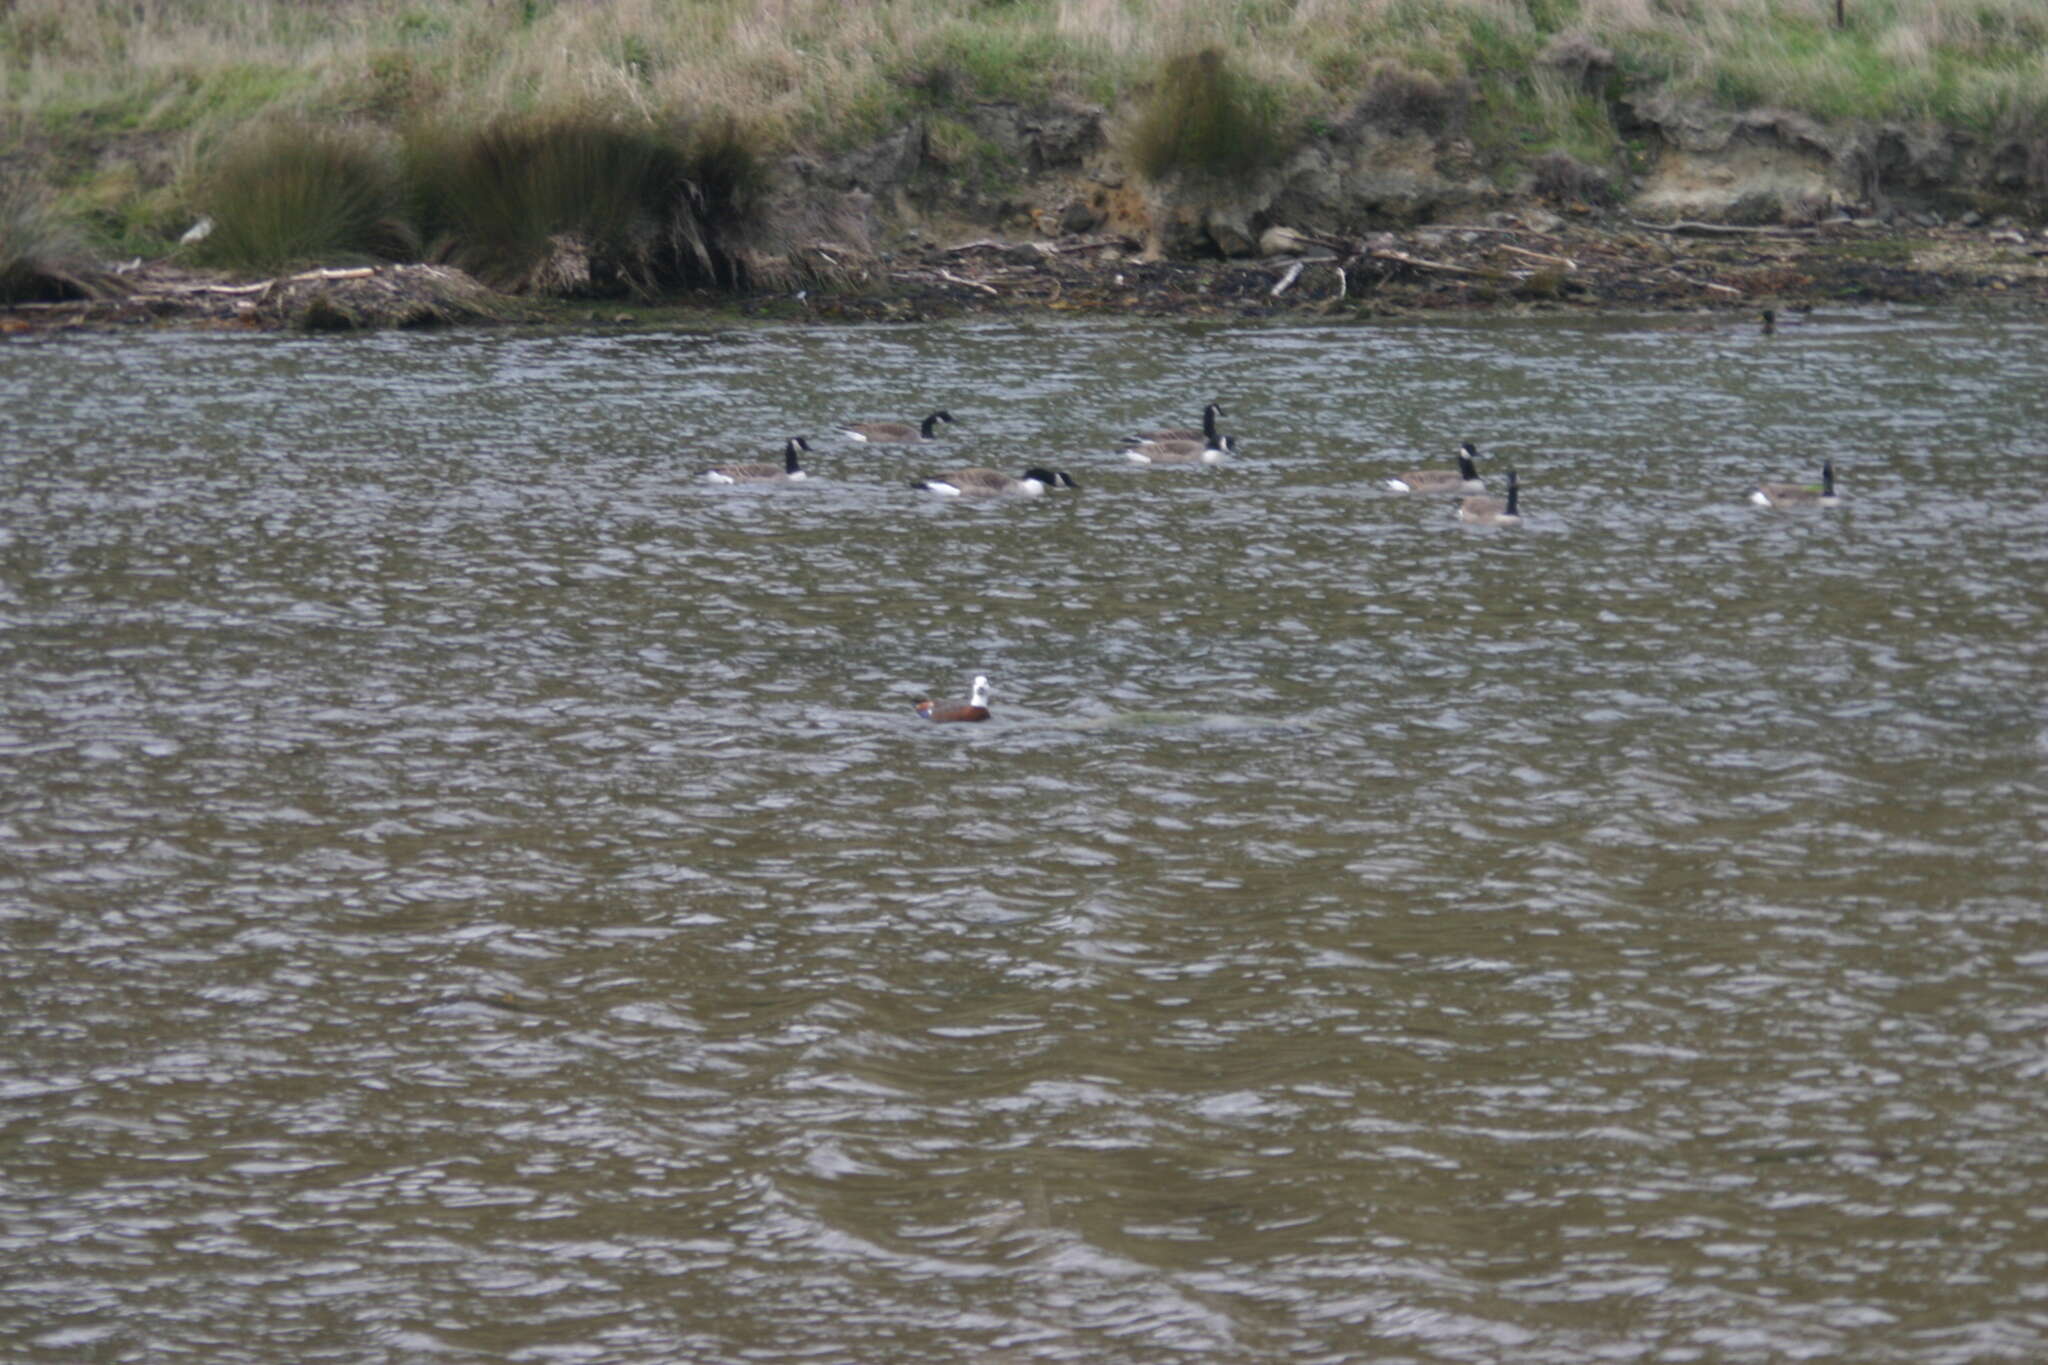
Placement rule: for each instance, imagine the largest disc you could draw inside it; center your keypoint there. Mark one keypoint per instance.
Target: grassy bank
(178, 85)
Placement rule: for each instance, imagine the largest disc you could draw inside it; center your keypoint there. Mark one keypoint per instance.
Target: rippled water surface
(473, 891)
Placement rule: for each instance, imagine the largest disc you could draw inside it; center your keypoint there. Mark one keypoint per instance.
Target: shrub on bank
(572, 204)
(42, 255)
(295, 194)
(1205, 120)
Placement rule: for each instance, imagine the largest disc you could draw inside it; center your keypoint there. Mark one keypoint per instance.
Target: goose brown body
(985, 483)
(1206, 451)
(1464, 479)
(897, 433)
(975, 708)
(1799, 494)
(1492, 511)
(789, 469)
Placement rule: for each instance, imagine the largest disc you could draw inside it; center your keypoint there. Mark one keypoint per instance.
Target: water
(473, 891)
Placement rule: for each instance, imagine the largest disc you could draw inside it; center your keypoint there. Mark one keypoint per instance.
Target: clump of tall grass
(297, 194)
(1203, 120)
(43, 256)
(573, 204)
(1399, 96)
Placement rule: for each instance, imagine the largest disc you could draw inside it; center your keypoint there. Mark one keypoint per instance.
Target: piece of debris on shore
(327, 300)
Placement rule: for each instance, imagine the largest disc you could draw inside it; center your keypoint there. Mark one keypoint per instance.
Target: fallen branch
(1685, 228)
(263, 286)
(1704, 284)
(1115, 239)
(1539, 256)
(1403, 258)
(1287, 280)
(950, 278)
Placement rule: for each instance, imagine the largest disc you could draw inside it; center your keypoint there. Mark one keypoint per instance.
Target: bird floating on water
(788, 470)
(984, 483)
(1464, 479)
(1800, 494)
(1492, 511)
(896, 433)
(974, 708)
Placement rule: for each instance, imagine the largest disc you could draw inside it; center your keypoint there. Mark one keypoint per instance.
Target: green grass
(797, 65)
(519, 201)
(818, 76)
(299, 194)
(42, 254)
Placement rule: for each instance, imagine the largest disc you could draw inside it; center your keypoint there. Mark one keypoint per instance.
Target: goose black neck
(789, 465)
(1209, 415)
(1514, 495)
(1827, 478)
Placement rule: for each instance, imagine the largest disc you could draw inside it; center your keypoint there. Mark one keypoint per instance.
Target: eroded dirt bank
(1533, 261)
(1387, 212)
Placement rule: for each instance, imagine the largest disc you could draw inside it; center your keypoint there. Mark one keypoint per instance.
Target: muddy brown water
(472, 891)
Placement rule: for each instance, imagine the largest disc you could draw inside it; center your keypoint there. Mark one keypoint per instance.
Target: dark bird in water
(896, 433)
(974, 708)
(763, 473)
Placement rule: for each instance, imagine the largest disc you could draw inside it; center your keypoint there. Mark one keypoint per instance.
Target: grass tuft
(1205, 121)
(296, 194)
(42, 255)
(574, 205)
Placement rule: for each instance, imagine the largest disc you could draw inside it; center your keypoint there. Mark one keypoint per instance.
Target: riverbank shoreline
(1527, 261)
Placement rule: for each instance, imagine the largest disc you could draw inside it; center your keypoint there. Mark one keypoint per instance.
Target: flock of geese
(1183, 446)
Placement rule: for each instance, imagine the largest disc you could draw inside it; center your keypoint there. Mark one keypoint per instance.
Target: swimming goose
(1183, 451)
(1206, 433)
(896, 433)
(763, 473)
(975, 708)
(1463, 479)
(1492, 511)
(1799, 494)
(982, 483)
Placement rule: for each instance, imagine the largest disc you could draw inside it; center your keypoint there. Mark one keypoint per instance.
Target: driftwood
(261, 286)
(1061, 248)
(1704, 284)
(1418, 263)
(1287, 280)
(950, 278)
(1684, 228)
(1566, 262)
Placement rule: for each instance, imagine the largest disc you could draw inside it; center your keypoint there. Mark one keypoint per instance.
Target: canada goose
(974, 708)
(896, 433)
(1770, 321)
(1206, 433)
(1492, 511)
(1799, 494)
(1182, 451)
(982, 483)
(1464, 479)
(763, 473)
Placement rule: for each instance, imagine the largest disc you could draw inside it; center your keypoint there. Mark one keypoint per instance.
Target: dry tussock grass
(824, 74)
(796, 67)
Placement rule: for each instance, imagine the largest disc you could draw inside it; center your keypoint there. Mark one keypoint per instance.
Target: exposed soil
(1508, 262)
(1536, 262)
